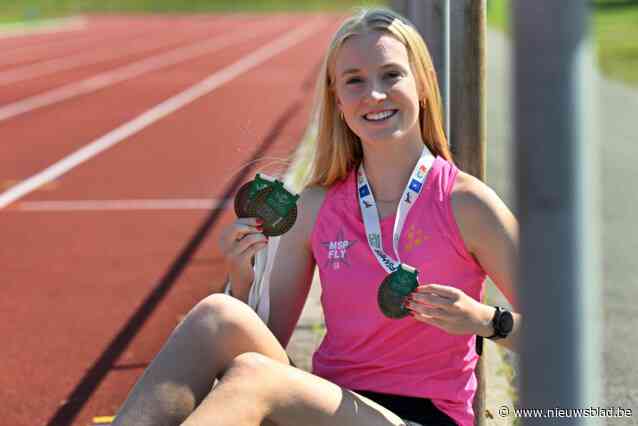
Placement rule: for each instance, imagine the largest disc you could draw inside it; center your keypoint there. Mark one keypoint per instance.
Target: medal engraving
(246, 194)
(277, 207)
(394, 289)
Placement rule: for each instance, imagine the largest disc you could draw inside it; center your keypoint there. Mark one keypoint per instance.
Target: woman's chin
(380, 138)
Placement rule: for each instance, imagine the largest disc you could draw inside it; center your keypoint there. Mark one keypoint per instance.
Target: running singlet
(364, 350)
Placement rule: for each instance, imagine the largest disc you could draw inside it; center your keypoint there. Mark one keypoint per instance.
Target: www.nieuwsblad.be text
(557, 412)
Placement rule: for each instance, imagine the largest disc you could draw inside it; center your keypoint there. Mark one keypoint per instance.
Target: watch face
(506, 322)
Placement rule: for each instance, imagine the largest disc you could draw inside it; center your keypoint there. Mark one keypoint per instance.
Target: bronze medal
(277, 207)
(246, 194)
(394, 289)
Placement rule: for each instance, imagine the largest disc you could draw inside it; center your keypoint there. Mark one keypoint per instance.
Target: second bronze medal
(394, 289)
(277, 207)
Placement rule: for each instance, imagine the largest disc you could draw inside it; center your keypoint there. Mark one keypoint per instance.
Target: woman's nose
(377, 92)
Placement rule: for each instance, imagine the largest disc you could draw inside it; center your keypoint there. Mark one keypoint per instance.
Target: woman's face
(375, 88)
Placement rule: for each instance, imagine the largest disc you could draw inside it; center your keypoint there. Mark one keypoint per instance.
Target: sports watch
(503, 322)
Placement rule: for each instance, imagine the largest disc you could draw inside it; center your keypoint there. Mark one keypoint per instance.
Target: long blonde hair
(337, 148)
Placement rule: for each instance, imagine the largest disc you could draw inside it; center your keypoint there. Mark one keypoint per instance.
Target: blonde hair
(337, 148)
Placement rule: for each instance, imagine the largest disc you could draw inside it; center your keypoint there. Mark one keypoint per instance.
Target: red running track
(89, 296)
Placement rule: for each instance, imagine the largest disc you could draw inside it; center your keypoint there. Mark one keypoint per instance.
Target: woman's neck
(388, 169)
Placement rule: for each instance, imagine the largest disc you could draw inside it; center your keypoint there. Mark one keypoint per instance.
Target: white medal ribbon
(370, 214)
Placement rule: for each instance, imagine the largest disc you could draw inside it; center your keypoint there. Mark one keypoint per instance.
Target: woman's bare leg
(257, 389)
(199, 350)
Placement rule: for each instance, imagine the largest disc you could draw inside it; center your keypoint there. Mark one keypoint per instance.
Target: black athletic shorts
(415, 411)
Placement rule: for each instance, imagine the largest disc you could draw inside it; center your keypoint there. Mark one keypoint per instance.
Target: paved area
(617, 107)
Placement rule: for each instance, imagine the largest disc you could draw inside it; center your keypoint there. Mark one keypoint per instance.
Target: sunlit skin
(374, 74)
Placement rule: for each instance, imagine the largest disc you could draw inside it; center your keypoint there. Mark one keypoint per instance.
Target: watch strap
(498, 333)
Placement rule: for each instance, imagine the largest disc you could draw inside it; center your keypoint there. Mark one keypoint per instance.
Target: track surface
(91, 290)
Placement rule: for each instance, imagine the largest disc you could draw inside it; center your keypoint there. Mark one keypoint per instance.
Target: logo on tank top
(338, 250)
(415, 237)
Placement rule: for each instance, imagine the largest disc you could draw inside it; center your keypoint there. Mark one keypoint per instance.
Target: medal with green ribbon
(246, 194)
(401, 279)
(269, 200)
(394, 289)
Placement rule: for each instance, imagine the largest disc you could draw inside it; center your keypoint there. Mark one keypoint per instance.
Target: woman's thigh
(240, 329)
(297, 397)
(200, 349)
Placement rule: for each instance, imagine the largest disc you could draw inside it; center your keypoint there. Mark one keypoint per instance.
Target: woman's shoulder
(476, 207)
(310, 201)
(470, 193)
(311, 198)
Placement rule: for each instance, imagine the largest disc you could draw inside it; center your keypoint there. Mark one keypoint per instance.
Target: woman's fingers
(246, 242)
(236, 232)
(246, 256)
(245, 226)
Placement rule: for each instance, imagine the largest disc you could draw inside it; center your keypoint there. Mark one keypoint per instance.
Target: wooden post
(401, 7)
(467, 116)
(467, 85)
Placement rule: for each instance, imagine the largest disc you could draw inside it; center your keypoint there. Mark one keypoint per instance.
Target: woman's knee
(249, 366)
(252, 375)
(218, 312)
(234, 327)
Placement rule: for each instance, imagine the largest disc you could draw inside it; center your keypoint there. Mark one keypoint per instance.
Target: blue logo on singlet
(415, 185)
(364, 191)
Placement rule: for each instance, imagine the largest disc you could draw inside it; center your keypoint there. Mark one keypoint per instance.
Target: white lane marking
(158, 112)
(45, 26)
(127, 72)
(141, 204)
(97, 56)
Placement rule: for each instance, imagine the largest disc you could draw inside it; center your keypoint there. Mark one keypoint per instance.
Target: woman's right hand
(239, 243)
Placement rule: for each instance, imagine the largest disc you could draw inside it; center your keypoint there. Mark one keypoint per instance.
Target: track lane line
(104, 205)
(126, 72)
(76, 400)
(17, 55)
(160, 111)
(94, 56)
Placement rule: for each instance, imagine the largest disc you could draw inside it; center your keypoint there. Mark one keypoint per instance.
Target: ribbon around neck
(371, 215)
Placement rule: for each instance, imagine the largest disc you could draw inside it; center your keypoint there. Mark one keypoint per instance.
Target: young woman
(383, 191)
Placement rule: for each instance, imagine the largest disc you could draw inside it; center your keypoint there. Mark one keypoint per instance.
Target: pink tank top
(364, 350)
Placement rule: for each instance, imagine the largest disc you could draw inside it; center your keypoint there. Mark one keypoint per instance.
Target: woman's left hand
(450, 309)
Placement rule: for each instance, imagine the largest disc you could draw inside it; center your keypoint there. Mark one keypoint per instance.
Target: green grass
(20, 10)
(615, 34)
(616, 31)
(498, 14)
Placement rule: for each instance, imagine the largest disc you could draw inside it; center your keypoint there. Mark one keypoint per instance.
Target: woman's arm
(293, 268)
(490, 232)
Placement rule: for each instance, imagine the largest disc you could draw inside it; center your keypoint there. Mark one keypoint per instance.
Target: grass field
(615, 30)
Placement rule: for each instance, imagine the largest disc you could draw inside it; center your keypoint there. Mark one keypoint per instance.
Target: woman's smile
(380, 117)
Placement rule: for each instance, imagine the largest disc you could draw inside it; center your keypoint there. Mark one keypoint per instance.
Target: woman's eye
(393, 74)
(353, 80)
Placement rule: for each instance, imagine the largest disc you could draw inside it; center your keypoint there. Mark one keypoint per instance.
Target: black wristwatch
(503, 322)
